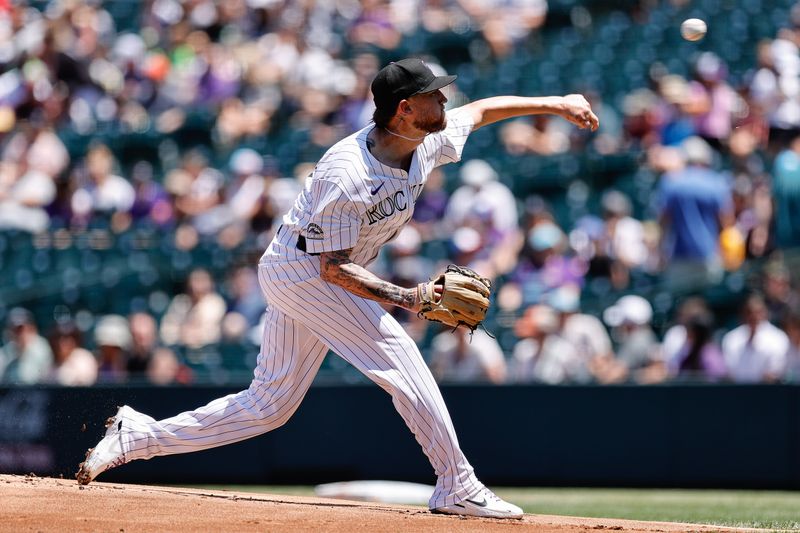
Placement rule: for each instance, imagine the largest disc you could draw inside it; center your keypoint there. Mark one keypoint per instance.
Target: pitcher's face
(429, 115)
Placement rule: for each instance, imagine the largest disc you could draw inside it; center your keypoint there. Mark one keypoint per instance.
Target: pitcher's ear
(404, 107)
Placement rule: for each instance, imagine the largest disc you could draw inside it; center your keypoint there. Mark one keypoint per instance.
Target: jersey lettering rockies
(352, 200)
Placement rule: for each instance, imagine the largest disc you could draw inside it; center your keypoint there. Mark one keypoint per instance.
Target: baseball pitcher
(321, 296)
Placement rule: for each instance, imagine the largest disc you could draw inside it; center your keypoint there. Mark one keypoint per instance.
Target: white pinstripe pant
(305, 319)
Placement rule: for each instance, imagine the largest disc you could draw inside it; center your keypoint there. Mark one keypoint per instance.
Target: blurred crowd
(717, 186)
(555, 343)
(559, 344)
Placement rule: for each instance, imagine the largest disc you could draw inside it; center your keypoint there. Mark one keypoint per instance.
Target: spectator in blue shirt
(695, 204)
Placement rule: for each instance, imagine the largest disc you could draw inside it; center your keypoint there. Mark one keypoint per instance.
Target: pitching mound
(37, 504)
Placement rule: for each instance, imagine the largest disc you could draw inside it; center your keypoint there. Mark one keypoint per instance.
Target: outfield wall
(659, 436)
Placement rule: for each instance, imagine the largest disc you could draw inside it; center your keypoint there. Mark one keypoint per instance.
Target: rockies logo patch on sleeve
(314, 232)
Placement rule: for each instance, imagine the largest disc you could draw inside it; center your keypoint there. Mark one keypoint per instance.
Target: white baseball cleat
(486, 504)
(108, 452)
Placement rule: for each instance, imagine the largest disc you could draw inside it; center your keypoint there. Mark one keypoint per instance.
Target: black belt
(301, 242)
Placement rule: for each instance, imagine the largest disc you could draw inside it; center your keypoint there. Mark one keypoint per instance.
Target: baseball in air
(693, 29)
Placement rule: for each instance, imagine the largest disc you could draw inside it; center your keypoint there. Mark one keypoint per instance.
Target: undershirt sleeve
(454, 137)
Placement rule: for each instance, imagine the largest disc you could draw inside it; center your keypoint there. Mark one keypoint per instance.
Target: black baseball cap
(402, 79)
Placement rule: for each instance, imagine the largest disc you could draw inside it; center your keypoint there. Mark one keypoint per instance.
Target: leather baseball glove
(463, 301)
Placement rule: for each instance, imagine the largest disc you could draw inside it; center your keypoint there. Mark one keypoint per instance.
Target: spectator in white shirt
(75, 366)
(624, 236)
(103, 191)
(194, 319)
(638, 349)
(755, 352)
(26, 357)
(542, 355)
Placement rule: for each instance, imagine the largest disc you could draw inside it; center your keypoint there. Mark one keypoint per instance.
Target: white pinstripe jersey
(352, 200)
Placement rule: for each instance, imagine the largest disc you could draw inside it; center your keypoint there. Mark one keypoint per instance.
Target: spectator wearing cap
(638, 348)
(695, 205)
(245, 192)
(594, 356)
(112, 338)
(755, 352)
(542, 355)
(481, 188)
(75, 366)
(26, 358)
(544, 264)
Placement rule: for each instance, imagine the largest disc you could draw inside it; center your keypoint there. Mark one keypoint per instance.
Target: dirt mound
(37, 504)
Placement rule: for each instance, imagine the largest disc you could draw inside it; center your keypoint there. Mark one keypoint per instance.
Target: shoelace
(491, 495)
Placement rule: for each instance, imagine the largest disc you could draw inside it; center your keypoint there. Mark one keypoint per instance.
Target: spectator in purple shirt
(151, 201)
(700, 358)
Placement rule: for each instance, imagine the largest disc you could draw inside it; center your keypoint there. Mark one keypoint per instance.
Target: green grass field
(761, 509)
(770, 510)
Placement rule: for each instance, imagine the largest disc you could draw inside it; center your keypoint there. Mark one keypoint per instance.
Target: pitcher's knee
(273, 408)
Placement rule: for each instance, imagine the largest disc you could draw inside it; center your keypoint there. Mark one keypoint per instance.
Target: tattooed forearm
(336, 267)
(374, 288)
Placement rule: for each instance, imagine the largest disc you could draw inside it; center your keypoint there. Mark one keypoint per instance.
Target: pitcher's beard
(430, 124)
